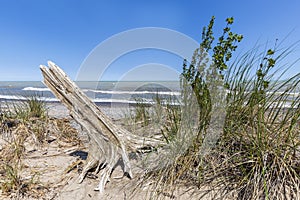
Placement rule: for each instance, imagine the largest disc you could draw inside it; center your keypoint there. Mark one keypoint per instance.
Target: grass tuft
(239, 143)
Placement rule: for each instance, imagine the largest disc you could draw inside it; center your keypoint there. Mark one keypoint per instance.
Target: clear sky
(66, 31)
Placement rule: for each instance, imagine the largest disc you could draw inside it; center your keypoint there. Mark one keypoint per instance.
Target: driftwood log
(108, 142)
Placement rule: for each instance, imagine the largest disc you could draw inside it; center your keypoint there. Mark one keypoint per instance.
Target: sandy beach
(54, 166)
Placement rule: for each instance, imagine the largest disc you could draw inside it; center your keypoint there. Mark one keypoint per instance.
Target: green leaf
(226, 29)
(266, 84)
(259, 73)
(226, 85)
(239, 38)
(229, 20)
(270, 52)
(271, 62)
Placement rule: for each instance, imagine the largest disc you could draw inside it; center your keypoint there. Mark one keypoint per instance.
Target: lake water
(106, 92)
(99, 92)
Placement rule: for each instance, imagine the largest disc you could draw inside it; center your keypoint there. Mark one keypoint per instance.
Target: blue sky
(66, 31)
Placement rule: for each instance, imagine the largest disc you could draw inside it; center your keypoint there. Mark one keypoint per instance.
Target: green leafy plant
(255, 155)
(169, 113)
(200, 83)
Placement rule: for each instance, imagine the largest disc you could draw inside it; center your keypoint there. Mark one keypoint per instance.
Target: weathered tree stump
(108, 142)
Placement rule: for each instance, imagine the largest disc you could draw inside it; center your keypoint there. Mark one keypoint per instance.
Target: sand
(57, 165)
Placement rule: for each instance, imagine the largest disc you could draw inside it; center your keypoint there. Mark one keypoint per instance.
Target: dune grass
(31, 107)
(257, 156)
(236, 135)
(20, 121)
(23, 125)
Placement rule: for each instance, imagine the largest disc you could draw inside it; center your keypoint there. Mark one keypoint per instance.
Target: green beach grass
(256, 154)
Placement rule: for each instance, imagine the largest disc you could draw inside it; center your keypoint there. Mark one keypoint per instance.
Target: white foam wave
(22, 98)
(134, 92)
(114, 101)
(47, 99)
(12, 97)
(36, 89)
(110, 91)
(124, 101)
